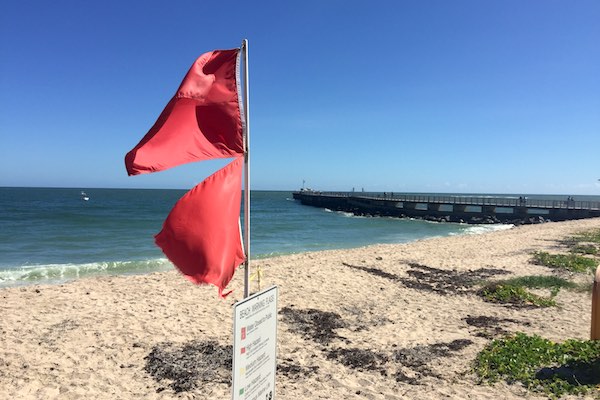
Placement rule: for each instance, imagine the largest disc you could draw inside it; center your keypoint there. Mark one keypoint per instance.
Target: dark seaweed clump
(188, 365)
(435, 280)
(490, 327)
(314, 324)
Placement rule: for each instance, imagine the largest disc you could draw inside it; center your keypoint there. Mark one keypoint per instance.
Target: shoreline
(92, 338)
(58, 274)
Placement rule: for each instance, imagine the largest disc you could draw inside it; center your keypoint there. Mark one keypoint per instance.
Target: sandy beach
(379, 322)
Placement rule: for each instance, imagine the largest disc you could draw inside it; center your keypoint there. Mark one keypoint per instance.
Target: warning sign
(254, 346)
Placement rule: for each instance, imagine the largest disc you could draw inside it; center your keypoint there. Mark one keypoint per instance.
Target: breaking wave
(59, 273)
(480, 229)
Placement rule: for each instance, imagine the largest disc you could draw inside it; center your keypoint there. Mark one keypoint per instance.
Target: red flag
(201, 235)
(202, 121)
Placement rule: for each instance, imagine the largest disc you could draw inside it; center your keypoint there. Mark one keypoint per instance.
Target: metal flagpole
(246, 172)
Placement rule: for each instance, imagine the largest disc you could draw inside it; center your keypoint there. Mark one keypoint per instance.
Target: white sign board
(254, 346)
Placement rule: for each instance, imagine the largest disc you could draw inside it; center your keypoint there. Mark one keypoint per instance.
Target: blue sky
(417, 96)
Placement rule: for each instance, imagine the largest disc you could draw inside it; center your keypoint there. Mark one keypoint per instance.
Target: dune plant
(506, 293)
(570, 262)
(541, 282)
(587, 242)
(591, 236)
(571, 367)
(584, 249)
(512, 291)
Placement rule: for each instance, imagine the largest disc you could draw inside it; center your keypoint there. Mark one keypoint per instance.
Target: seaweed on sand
(435, 280)
(295, 371)
(416, 361)
(419, 358)
(188, 365)
(360, 359)
(489, 327)
(422, 277)
(314, 324)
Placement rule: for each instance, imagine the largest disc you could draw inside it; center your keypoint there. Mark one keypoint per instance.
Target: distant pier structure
(466, 209)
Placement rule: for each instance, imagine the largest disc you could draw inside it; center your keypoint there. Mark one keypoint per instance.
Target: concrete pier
(468, 209)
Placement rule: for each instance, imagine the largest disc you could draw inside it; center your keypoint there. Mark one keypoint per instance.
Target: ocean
(50, 235)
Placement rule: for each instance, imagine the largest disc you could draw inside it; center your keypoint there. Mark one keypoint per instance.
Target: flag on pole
(201, 122)
(201, 235)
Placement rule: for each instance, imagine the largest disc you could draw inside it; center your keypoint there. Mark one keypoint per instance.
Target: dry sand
(379, 322)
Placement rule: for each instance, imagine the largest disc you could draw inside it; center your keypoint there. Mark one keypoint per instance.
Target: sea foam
(58, 273)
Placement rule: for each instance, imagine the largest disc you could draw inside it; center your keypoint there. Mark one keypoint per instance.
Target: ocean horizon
(53, 235)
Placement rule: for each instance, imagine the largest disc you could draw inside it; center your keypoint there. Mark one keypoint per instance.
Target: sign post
(254, 346)
(595, 335)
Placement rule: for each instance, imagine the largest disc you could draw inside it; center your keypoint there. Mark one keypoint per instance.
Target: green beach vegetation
(571, 367)
(514, 291)
(556, 369)
(591, 236)
(585, 243)
(570, 262)
(583, 247)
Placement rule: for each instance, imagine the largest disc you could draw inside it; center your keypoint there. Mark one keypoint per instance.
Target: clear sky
(427, 96)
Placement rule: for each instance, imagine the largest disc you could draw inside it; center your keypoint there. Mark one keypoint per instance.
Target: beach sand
(378, 322)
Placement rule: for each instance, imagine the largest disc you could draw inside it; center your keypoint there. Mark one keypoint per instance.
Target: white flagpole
(246, 172)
